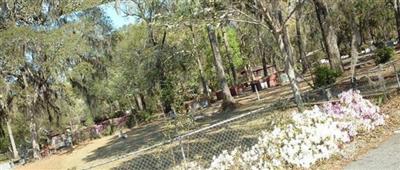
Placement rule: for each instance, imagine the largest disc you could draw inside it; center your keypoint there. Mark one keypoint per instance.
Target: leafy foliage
(383, 55)
(325, 76)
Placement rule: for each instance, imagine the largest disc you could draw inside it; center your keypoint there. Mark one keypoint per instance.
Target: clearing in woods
(103, 149)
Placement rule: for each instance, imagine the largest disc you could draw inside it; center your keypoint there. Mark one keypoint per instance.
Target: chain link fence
(241, 131)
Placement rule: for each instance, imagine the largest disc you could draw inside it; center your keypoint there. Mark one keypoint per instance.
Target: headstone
(284, 78)
(172, 114)
(204, 103)
(69, 138)
(264, 85)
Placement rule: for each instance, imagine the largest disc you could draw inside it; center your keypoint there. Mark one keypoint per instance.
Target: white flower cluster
(224, 160)
(314, 135)
(352, 106)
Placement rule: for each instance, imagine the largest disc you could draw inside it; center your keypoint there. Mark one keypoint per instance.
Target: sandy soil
(71, 160)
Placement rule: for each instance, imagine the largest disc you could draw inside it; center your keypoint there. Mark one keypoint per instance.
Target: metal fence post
(397, 75)
(183, 152)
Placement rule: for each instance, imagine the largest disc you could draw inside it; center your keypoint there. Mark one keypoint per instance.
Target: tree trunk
(165, 86)
(251, 73)
(32, 125)
(242, 44)
(228, 99)
(139, 102)
(262, 53)
(265, 66)
(150, 33)
(230, 57)
(8, 124)
(355, 42)
(329, 35)
(273, 62)
(203, 79)
(397, 16)
(354, 55)
(10, 134)
(34, 137)
(248, 72)
(300, 41)
(286, 50)
(166, 98)
(143, 101)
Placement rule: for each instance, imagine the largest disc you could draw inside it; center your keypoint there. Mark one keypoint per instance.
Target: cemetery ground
(99, 151)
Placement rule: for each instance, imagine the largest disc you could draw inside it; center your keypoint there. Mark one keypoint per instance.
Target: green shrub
(325, 76)
(4, 144)
(118, 113)
(144, 116)
(130, 123)
(99, 118)
(379, 44)
(383, 55)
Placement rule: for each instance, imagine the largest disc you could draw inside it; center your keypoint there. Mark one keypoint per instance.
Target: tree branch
(299, 5)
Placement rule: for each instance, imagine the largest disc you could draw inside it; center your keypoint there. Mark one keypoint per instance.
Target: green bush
(4, 144)
(379, 44)
(118, 113)
(325, 76)
(383, 55)
(130, 123)
(99, 118)
(144, 116)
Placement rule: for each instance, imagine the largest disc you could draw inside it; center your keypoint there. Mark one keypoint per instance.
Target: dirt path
(71, 160)
(386, 156)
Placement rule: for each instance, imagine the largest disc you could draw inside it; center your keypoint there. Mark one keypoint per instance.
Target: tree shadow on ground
(137, 138)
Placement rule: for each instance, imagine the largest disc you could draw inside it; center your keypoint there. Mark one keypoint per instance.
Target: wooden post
(397, 75)
(382, 81)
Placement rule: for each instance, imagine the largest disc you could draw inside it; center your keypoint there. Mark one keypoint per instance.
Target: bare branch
(252, 20)
(249, 22)
(299, 5)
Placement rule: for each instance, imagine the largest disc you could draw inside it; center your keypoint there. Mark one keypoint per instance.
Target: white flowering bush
(352, 106)
(312, 136)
